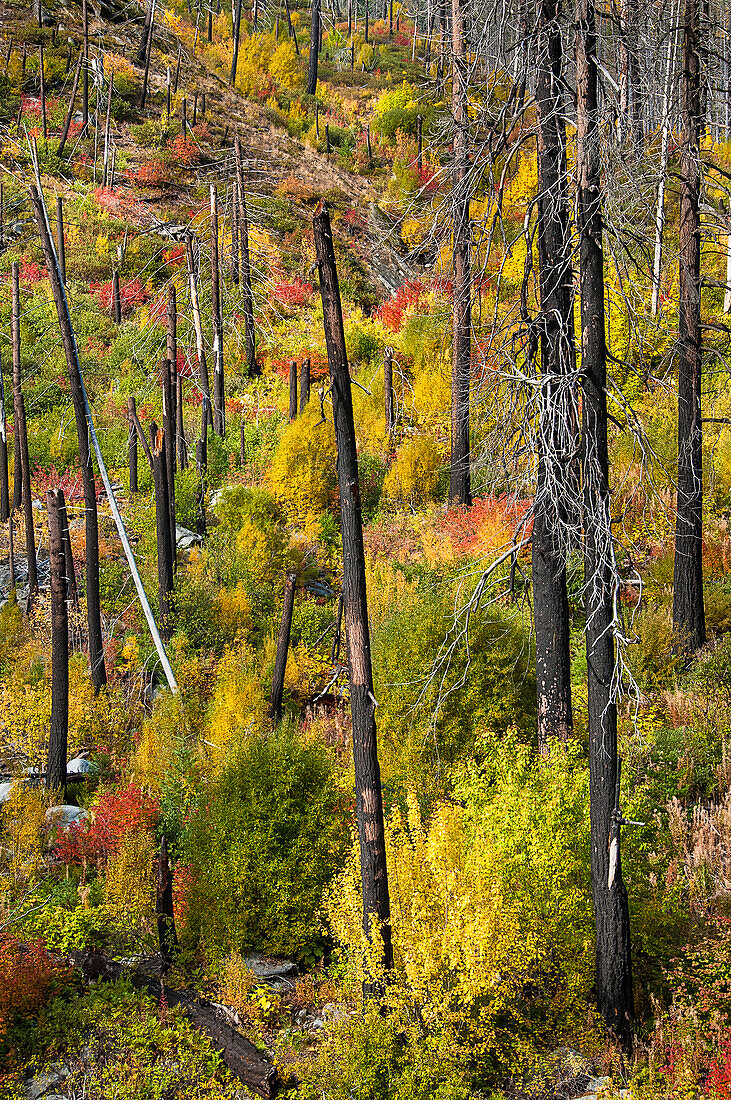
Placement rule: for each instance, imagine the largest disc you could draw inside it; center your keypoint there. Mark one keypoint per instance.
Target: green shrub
(267, 838)
(398, 109)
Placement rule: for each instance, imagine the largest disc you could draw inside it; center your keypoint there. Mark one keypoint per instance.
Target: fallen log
(241, 1057)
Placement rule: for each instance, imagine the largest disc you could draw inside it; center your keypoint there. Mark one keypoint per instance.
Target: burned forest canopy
(365, 572)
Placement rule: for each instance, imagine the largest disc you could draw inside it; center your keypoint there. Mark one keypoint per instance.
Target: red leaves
(117, 812)
(26, 973)
(296, 293)
(132, 294)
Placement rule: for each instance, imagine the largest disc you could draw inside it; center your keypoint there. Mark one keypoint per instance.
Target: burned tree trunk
(71, 589)
(688, 611)
(166, 933)
(388, 390)
(236, 35)
(22, 442)
(248, 297)
(70, 112)
(369, 805)
(61, 249)
(81, 413)
(59, 729)
(304, 385)
(292, 390)
(162, 522)
(219, 396)
(116, 299)
(556, 438)
(611, 908)
(132, 446)
(459, 466)
(197, 324)
(168, 425)
(314, 48)
(4, 474)
(179, 426)
(280, 663)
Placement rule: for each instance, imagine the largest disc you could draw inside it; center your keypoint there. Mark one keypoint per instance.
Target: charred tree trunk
(236, 37)
(17, 459)
(388, 390)
(59, 729)
(72, 591)
(369, 805)
(314, 48)
(459, 466)
(280, 663)
(61, 249)
(166, 933)
(611, 909)
(162, 522)
(85, 68)
(197, 324)
(219, 397)
(168, 425)
(93, 604)
(556, 440)
(304, 385)
(630, 97)
(19, 407)
(70, 112)
(4, 474)
(180, 426)
(172, 355)
(248, 297)
(116, 299)
(688, 611)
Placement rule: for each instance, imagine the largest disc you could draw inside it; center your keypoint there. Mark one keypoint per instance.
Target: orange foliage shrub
(26, 975)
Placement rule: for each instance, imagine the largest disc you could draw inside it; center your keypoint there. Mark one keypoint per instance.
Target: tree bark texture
(314, 48)
(611, 909)
(388, 390)
(4, 473)
(166, 932)
(61, 242)
(556, 439)
(93, 605)
(292, 390)
(168, 428)
(71, 589)
(369, 805)
(132, 446)
(459, 466)
(688, 611)
(248, 297)
(219, 396)
(280, 662)
(304, 385)
(59, 729)
(197, 324)
(19, 407)
(162, 520)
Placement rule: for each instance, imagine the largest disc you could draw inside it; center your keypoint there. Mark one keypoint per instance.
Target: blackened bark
(132, 446)
(243, 442)
(22, 437)
(388, 390)
(369, 805)
(556, 440)
(314, 47)
(72, 591)
(236, 36)
(42, 79)
(197, 324)
(166, 933)
(292, 390)
(179, 425)
(335, 651)
(292, 32)
(611, 909)
(168, 427)
(93, 604)
(280, 662)
(219, 397)
(142, 48)
(59, 729)
(4, 474)
(162, 523)
(172, 355)
(688, 611)
(459, 466)
(17, 459)
(85, 67)
(304, 385)
(60, 240)
(116, 299)
(248, 297)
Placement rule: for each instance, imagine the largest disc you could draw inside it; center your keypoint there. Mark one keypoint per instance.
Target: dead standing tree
(22, 442)
(59, 728)
(611, 908)
(369, 805)
(459, 466)
(93, 604)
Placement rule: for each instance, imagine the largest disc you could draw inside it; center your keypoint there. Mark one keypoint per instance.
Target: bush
(267, 838)
(398, 109)
(302, 473)
(27, 974)
(417, 477)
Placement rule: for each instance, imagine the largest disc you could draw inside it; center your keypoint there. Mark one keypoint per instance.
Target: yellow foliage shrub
(302, 474)
(414, 480)
(129, 888)
(23, 823)
(238, 704)
(236, 982)
(285, 68)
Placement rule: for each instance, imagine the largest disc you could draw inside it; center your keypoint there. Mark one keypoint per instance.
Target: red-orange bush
(26, 976)
(116, 813)
(131, 294)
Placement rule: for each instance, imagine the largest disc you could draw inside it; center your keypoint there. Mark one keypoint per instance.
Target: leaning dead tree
(368, 796)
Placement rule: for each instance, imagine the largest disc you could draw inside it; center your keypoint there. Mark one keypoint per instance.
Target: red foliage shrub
(26, 975)
(30, 272)
(155, 173)
(487, 524)
(174, 256)
(183, 881)
(69, 480)
(115, 813)
(296, 293)
(184, 151)
(408, 295)
(132, 295)
(718, 1083)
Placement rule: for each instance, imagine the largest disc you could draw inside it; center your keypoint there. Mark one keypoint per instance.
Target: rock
(42, 1082)
(6, 790)
(185, 539)
(332, 1011)
(79, 766)
(274, 971)
(65, 816)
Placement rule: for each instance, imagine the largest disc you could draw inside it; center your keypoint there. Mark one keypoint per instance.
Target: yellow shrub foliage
(302, 473)
(22, 820)
(238, 704)
(285, 68)
(129, 888)
(414, 479)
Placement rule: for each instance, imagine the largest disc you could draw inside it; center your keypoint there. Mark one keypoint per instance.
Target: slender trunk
(197, 325)
(219, 397)
(335, 651)
(116, 298)
(142, 48)
(556, 438)
(179, 425)
(70, 112)
(162, 523)
(17, 459)
(304, 385)
(108, 131)
(280, 663)
(368, 795)
(459, 466)
(388, 390)
(42, 78)
(664, 157)
(72, 591)
(611, 909)
(688, 612)
(172, 355)
(292, 33)
(19, 406)
(235, 232)
(132, 446)
(61, 247)
(248, 297)
(93, 604)
(4, 475)
(236, 34)
(166, 933)
(242, 459)
(311, 88)
(630, 100)
(292, 390)
(59, 728)
(85, 67)
(168, 428)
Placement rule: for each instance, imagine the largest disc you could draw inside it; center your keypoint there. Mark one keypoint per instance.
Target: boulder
(65, 816)
(276, 972)
(40, 1084)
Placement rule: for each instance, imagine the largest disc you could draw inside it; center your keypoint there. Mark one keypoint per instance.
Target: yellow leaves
(414, 479)
(234, 610)
(285, 68)
(237, 707)
(129, 884)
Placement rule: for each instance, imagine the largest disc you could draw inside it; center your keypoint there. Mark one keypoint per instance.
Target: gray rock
(65, 816)
(271, 970)
(42, 1082)
(6, 790)
(80, 766)
(185, 539)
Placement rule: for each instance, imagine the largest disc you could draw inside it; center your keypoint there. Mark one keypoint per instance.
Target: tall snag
(556, 437)
(611, 908)
(314, 48)
(4, 475)
(247, 294)
(58, 734)
(22, 442)
(219, 397)
(688, 611)
(369, 805)
(93, 604)
(459, 465)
